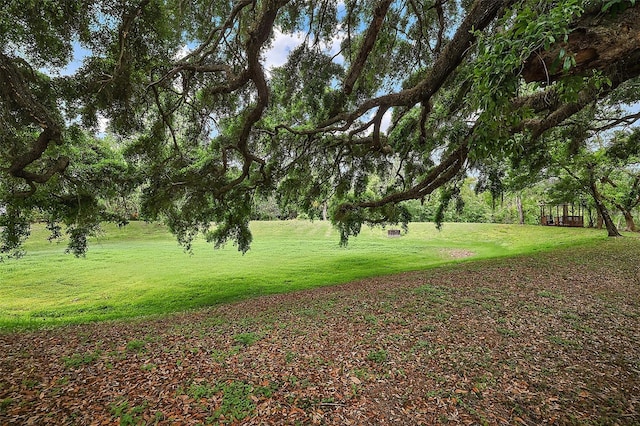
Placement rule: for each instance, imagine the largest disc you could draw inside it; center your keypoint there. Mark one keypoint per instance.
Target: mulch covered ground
(547, 339)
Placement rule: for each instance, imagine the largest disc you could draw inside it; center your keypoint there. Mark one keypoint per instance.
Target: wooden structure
(562, 216)
(393, 233)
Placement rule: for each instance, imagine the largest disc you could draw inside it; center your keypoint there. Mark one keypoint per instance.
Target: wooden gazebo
(566, 214)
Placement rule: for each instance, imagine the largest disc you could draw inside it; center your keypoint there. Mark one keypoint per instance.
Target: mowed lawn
(141, 270)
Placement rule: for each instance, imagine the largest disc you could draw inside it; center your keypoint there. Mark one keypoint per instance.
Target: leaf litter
(552, 338)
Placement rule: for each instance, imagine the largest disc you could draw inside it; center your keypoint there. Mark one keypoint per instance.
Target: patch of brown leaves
(457, 253)
(547, 339)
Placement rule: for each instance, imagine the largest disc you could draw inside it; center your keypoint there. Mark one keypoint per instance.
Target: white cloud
(180, 54)
(282, 45)
(386, 121)
(103, 124)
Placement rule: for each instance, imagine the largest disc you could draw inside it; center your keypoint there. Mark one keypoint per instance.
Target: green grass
(128, 415)
(77, 360)
(378, 356)
(140, 270)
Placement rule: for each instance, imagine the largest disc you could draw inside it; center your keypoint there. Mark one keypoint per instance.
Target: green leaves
(617, 5)
(501, 54)
(15, 228)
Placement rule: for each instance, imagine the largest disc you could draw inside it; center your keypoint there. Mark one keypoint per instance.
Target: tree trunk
(589, 44)
(520, 211)
(628, 218)
(324, 211)
(612, 231)
(630, 225)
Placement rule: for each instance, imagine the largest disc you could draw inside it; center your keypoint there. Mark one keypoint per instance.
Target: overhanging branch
(15, 89)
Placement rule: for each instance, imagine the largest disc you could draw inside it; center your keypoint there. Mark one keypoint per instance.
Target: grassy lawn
(140, 270)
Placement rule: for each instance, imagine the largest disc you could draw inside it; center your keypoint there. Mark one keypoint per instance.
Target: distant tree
(592, 169)
(605, 169)
(624, 156)
(207, 127)
(626, 197)
(468, 206)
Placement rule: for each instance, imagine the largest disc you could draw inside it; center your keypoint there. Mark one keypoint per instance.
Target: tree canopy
(413, 92)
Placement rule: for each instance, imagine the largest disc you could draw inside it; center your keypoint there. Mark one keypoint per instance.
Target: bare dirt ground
(546, 339)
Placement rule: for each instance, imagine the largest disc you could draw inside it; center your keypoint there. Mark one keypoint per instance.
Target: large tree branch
(618, 72)
(197, 60)
(14, 88)
(261, 32)
(627, 120)
(449, 167)
(481, 15)
(557, 112)
(598, 39)
(441, 28)
(209, 45)
(128, 19)
(369, 41)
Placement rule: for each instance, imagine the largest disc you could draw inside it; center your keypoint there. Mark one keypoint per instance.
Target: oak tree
(413, 92)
